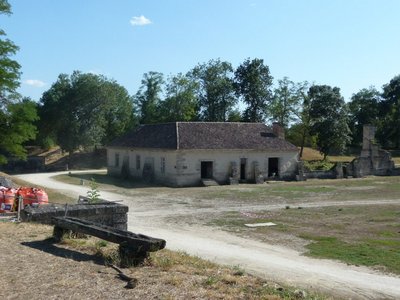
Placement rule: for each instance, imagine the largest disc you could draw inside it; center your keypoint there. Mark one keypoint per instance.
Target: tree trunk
(303, 140)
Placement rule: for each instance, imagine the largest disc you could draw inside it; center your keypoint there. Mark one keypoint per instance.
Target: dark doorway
(273, 167)
(207, 169)
(243, 162)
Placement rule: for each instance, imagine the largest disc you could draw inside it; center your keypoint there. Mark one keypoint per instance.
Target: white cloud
(35, 82)
(140, 21)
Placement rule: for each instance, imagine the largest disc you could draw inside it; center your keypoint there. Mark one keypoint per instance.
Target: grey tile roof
(204, 135)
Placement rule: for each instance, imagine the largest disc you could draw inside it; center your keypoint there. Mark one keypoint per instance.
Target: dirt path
(271, 262)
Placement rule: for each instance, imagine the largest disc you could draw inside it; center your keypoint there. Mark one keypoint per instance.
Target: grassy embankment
(356, 234)
(177, 273)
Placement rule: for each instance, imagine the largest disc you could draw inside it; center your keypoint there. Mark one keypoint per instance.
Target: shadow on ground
(117, 181)
(48, 246)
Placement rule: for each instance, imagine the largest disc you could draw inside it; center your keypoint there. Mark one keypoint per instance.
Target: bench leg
(131, 257)
(59, 233)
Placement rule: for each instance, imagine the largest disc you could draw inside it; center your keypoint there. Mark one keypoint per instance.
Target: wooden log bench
(133, 248)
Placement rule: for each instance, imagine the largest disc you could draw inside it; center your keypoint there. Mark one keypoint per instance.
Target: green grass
(360, 235)
(373, 253)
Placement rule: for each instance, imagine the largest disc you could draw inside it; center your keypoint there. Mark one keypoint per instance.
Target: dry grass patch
(35, 268)
(310, 154)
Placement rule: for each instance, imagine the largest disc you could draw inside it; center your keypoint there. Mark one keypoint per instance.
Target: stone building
(186, 153)
(372, 160)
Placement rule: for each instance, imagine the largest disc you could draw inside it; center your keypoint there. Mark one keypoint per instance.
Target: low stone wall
(381, 165)
(330, 174)
(335, 172)
(395, 171)
(106, 213)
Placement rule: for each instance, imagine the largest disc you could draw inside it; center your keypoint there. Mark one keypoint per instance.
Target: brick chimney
(278, 130)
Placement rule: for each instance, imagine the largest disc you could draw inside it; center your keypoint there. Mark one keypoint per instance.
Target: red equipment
(7, 198)
(32, 196)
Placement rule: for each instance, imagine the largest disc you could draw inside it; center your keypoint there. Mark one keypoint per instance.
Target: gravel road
(268, 261)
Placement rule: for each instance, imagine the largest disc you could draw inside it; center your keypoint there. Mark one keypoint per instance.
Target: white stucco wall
(183, 167)
(189, 166)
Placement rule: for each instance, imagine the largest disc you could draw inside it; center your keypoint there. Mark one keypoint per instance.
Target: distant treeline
(87, 110)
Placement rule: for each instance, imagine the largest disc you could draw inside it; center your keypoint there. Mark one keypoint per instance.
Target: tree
(181, 101)
(253, 82)
(16, 128)
(235, 116)
(304, 117)
(215, 89)
(9, 68)
(148, 97)
(85, 110)
(389, 132)
(328, 119)
(49, 111)
(363, 109)
(16, 117)
(299, 133)
(285, 106)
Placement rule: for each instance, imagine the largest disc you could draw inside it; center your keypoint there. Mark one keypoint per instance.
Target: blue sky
(351, 44)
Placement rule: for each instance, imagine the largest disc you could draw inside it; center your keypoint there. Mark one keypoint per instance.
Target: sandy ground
(152, 215)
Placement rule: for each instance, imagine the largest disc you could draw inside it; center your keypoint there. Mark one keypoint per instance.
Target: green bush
(318, 165)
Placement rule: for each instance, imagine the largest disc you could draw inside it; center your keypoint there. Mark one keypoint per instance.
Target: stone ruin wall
(106, 213)
(372, 160)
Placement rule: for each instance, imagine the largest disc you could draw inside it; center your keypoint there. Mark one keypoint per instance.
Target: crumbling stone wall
(334, 173)
(372, 160)
(106, 213)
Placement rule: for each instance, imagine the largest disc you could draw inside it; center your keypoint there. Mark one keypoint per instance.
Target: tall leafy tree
(148, 97)
(50, 109)
(16, 117)
(328, 117)
(85, 110)
(285, 106)
(119, 112)
(16, 128)
(235, 116)
(9, 68)
(363, 109)
(253, 84)
(181, 101)
(215, 89)
(389, 133)
(299, 132)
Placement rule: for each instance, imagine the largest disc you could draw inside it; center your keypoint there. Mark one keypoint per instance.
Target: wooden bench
(133, 248)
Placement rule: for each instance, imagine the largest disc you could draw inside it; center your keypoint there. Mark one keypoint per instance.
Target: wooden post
(58, 233)
(20, 203)
(131, 257)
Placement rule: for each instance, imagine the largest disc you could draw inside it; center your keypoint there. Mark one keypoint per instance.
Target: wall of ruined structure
(106, 213)
(372, 160)
(334, 173)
